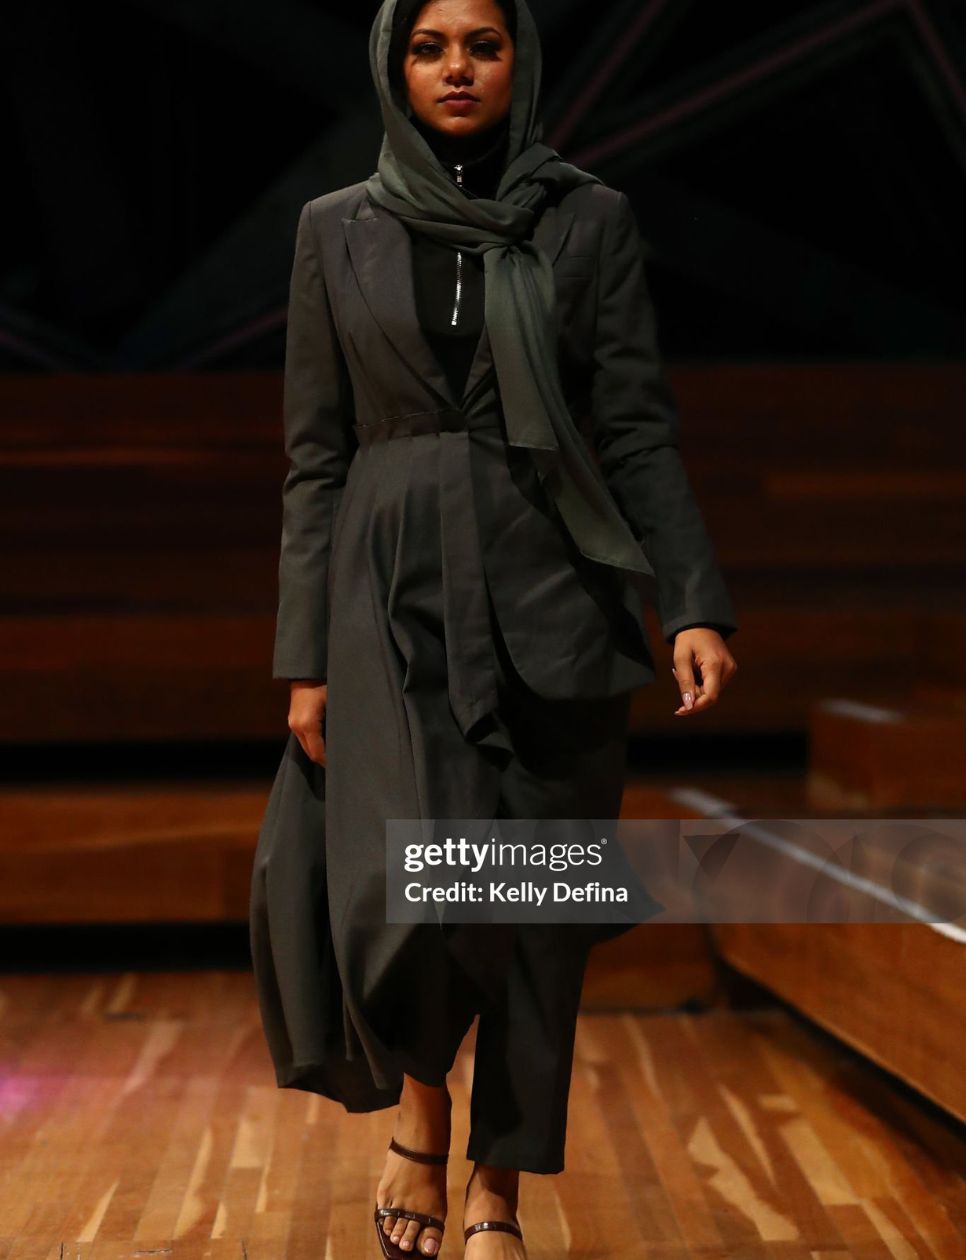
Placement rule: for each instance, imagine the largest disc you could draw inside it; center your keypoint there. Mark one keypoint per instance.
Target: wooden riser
(653, 966)
(869, 757)
(894, 991)
(95, 679)
(127, 854)
(183, 853)
(90, 678)
(143, 517)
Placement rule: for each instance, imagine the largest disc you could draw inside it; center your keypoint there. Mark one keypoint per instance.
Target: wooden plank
(700, 1135)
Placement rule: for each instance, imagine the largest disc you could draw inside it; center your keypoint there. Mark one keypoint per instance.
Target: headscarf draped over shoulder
(412, 183)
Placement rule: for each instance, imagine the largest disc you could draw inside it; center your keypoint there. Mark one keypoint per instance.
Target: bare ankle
(492, 1183)
(435, 1097)
(424, 1116)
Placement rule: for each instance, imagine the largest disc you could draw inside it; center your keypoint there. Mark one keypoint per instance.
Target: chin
(463, 126)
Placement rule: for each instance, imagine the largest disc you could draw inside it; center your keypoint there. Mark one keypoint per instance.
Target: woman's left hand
(703, 666)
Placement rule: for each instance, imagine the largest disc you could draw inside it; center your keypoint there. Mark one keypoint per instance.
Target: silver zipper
(459, 259)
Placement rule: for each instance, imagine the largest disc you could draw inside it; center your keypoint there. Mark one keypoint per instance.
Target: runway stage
(139, 1117)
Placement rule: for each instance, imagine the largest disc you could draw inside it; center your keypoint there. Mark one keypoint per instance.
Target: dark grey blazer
(355, 354)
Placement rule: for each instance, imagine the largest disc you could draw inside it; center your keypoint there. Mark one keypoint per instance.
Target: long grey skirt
(421, 722)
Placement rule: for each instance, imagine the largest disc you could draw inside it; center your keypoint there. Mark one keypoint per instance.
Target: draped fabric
(412, 183)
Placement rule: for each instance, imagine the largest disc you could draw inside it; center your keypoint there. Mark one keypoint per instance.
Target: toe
(429, 1241)
(398, 1229)
(408, 1240)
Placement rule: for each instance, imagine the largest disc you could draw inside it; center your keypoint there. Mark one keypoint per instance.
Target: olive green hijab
(519, 282)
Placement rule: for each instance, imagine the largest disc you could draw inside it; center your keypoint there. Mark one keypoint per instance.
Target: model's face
(460, 47)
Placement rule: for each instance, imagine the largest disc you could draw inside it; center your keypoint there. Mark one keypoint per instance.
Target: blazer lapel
(380, 251)
(381, 255)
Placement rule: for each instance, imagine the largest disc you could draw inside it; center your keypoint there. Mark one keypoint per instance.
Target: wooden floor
(139, 1117)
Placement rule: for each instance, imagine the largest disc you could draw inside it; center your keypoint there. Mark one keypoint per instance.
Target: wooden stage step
(128, 853)
(893, 990)
(181, 852)
(904, 755)
(175, 851)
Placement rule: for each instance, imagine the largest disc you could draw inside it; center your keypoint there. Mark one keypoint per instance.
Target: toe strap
(423, 1217)
(507, 1226)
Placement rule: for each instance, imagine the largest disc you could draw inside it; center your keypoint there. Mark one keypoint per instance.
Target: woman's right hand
(306, 716)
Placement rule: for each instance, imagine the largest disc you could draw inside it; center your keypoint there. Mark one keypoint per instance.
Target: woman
(460, 589)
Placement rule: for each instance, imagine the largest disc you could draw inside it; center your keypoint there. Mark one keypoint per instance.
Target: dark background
(797, 170)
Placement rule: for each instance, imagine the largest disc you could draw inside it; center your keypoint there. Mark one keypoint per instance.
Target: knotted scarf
(519, 315)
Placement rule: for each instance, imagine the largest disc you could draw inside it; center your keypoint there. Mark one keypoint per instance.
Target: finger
(685, 679)
(708, 697)
(711, 681)
(316, 747)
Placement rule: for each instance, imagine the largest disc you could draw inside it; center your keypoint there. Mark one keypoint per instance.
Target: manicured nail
(688, 700)
(431, 1246)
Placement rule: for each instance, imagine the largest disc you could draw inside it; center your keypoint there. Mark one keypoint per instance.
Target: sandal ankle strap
(507, 1226)
(421, 1157)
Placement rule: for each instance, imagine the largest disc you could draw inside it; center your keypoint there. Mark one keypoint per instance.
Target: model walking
(484, 483)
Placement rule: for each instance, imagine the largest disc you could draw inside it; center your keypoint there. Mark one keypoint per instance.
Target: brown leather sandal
(391, 1250)
(507, 1226)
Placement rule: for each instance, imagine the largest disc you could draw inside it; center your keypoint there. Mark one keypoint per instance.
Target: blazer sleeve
(319, 442)
(636, 431)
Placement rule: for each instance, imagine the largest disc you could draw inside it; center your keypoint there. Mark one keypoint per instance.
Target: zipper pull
(459, 260)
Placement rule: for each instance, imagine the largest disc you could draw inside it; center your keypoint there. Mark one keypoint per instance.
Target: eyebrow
(439, 34)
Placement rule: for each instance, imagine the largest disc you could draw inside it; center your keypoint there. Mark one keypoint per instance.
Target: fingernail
(431, 1247)
(688, 700)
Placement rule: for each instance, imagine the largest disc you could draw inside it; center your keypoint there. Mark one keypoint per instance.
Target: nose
(458, 70)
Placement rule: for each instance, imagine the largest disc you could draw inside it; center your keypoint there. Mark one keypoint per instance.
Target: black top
(435, 264)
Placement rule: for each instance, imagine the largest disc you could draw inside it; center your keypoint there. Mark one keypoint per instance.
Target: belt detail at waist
(414, 423)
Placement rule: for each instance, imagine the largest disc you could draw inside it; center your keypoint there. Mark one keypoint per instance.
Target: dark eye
(486, 48)
(420, 50)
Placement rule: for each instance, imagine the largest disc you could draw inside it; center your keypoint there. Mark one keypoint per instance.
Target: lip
(459, 97)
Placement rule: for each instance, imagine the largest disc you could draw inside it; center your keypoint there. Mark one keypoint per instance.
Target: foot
(422, 1124)
(492, 1195)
